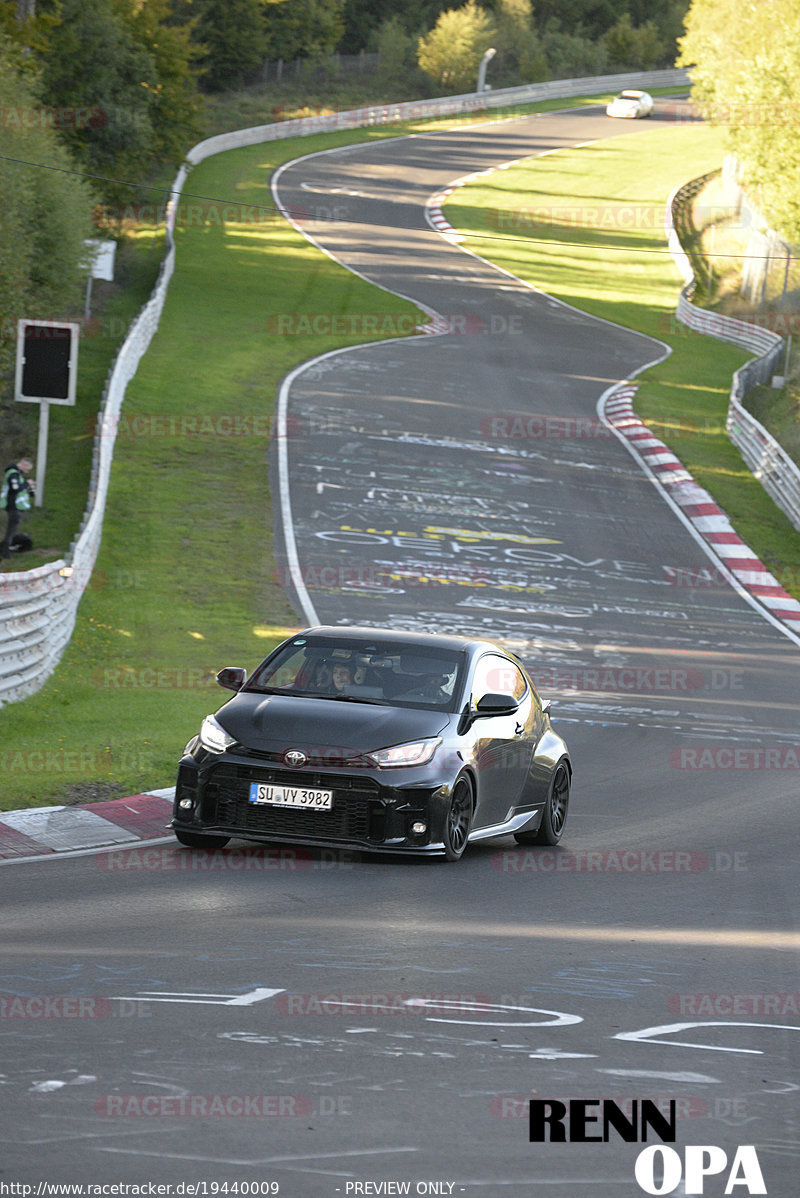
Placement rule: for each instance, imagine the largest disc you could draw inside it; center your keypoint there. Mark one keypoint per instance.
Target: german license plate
(291, 796)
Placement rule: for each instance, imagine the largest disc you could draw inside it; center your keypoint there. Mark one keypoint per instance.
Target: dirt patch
(88, 792)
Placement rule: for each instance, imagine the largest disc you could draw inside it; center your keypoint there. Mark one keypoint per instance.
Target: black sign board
(47, 355)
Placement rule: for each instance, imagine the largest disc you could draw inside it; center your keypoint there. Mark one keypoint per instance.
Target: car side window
(497, 675)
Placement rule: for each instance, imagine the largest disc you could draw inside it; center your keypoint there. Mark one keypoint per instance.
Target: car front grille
(354, 815)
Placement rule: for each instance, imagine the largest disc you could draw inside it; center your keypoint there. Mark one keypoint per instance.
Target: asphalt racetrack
(332, 1024)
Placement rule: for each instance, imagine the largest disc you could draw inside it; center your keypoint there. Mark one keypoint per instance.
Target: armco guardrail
(769, 462)
(38, 607)
(417, 110)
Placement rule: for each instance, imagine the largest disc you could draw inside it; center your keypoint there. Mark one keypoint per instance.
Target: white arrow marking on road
(701, 1078)
(552, 1054)
(647, 1035)
(220, 1000)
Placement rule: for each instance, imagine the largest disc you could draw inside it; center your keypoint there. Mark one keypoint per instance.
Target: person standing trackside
(15, 497)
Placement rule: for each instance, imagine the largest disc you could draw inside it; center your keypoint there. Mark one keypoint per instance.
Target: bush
(451, 53)
(633, 48)
(572, 56)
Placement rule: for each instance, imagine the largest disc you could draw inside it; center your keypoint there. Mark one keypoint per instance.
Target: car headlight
(417, 752)
(214, 737)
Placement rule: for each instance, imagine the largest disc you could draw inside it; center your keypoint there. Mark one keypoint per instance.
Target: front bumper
(366, 813)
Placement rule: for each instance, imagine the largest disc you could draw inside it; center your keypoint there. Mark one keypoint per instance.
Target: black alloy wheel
(555, 811)
(458, 820)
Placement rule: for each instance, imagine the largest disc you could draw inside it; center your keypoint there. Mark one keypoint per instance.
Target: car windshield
(387, 673)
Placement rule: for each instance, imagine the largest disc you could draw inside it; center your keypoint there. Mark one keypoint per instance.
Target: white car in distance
(630, 104)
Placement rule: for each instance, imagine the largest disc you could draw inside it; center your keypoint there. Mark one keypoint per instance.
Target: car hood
(274, 723)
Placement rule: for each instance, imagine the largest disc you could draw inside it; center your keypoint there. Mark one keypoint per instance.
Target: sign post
(100, 266)
(47, 372)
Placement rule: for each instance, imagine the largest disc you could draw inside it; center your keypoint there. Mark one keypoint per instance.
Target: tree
(744, 61)
(573, 55)
(119, 73)
(520, 55)
(633, 48)
(233, 41)
(45, 214)
(451, 53)
(305, 28)
(96, 72)
(363, 18)
(669, 19)
(28, 30)
(583, 18)
(174, 102)
(395, 48)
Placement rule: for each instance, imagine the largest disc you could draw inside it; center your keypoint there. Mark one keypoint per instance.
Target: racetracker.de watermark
(69, 1007)
(253, 859)
(390, 324)
(734, 757)
(712, 578)
(225, 426)
(731, 1111)
(639, 680)
(386, 1003)
(516, 426)
(522, 426)
(67, 116)
(368, 576)
(745, 1005)
(614, 861)
(69, 762)
(741, 114)
(510, 1107)
(218, 1106)
(176, 678)
(625, 217)
(784, 324)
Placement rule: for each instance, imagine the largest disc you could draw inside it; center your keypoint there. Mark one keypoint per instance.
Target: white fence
(38, 607)
(771, 465)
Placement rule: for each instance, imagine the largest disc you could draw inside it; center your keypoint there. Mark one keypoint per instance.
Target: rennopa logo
(659, 1169)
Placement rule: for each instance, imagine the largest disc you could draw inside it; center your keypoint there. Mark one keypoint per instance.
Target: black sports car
(377, 740)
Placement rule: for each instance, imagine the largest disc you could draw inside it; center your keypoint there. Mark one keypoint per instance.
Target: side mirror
(546, 707)
(492, 704)
(232, 678)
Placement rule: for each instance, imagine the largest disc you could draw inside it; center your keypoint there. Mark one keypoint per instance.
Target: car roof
(402, 638)
(630, 95)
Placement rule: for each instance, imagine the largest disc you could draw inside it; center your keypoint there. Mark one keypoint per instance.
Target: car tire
(554, 816)
(458, 820)
(198, 840)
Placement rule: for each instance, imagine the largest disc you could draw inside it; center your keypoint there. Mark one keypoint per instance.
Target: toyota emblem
(294, 758)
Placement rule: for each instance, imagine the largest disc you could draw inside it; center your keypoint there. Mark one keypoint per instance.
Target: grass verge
(586, 225)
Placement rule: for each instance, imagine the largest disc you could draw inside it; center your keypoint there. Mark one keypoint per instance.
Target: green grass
(586, 225)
